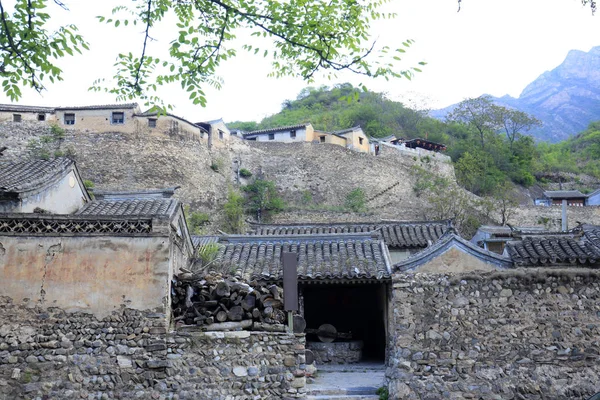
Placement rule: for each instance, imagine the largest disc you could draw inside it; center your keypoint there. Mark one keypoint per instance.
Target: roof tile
(130, 208)
(320, 257)
(24, 176)
(396, 234)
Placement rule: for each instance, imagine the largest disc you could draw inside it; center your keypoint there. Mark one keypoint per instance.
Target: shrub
(196, 220)
(244, 173)
(217, 165)
(208, 253)
(356, 200)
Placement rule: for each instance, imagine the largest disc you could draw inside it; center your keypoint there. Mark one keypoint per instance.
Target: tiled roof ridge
(371, 235)
(342, 131)
(380, 222)
(25, 108)
(277, 129)
(443, 241)
(100, 106)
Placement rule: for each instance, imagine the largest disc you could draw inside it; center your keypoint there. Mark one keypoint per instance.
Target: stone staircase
(346, 382)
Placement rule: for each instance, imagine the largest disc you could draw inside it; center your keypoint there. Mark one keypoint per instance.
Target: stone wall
(503, 335)
(551, 217)
(51, 354)
(325, 172)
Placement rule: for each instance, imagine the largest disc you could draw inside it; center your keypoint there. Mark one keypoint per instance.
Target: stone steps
(346, 382)
(343, 397)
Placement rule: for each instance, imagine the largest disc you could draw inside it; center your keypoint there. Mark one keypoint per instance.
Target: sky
(493, 47)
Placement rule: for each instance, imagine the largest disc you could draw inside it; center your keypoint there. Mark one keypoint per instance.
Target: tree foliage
(263, 199)
(301, 38)
(29, 50)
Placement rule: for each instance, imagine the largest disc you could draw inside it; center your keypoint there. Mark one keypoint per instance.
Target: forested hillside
(489, 144)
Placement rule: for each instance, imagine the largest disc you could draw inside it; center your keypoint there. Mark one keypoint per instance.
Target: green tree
(515, 123)
(263, 199)
(234, 212)
(302, 38)
(479, 114)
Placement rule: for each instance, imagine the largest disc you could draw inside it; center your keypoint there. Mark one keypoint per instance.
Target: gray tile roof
(24, 176)
(21, 108)
(563, 194)
(396, 234)
(277, 129)
(101, 107)
(349, 257)
(131, 208)
(555, 250)
(203, 240)
(347, 130)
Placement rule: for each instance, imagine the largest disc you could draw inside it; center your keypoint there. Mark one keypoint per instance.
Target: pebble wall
(49, 354)
(508, 335)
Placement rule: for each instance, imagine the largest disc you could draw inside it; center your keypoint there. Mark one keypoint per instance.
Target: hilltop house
(127, 118)
(556, 197)
(352, 138)
(52, 186)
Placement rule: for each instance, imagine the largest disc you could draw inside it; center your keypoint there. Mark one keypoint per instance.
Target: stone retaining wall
(504, 335)
(50, 354)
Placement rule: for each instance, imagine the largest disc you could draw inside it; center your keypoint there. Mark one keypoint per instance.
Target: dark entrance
(360, 309)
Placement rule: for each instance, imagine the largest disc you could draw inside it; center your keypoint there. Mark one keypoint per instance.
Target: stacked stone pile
(216, 303)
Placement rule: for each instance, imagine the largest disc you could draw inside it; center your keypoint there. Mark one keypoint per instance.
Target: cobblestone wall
(508, 335)
(50, 354)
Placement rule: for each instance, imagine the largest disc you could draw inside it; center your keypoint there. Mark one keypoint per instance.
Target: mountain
(565, 99)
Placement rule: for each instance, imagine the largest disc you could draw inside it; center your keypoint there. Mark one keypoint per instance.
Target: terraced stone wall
(50, 354)
(531, 334)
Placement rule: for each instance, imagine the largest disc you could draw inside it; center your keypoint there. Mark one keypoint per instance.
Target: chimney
(565, 225)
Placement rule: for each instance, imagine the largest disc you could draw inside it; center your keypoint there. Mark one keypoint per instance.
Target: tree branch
(136, 83)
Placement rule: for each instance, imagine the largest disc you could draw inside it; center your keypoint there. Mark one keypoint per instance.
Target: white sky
(495, 47)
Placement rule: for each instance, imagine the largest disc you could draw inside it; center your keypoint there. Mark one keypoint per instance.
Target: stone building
(52, 186)
(107, 254)
(352, 138)
(343, 281)
(19, 113)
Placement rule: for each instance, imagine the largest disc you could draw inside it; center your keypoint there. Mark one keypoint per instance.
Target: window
(152, 123)
(293, 134)
(322, 139)
(360, 140)
(220, 134)
(16, 117)
(69, 119)
(118, 117)
(41, 117)
(271, 136)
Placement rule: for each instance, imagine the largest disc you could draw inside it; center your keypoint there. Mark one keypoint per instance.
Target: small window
(16, 117)
(271, 136)
(69, 119)
(221, 134)
(41, 117)
(360, 140)
(118, 117)
(152, 123)
(293, 134)
(322, 139)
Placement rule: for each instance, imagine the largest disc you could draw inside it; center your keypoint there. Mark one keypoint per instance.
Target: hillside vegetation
(488, 144)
